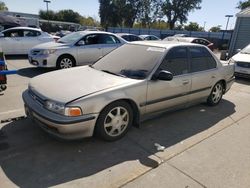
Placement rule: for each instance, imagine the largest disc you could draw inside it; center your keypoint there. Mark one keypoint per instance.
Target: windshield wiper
(109, 72)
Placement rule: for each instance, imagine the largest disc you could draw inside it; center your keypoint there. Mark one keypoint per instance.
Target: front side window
(201, 59)
(92, 39)
(176, 61)
(13, 33)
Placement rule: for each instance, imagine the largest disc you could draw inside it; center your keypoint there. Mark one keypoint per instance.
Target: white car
(242, 63)
(19, 40)
(149, 37)
(78, 48)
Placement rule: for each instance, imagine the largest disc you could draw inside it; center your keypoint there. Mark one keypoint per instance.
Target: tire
(114, 121)
(216, 94)
(65, 62)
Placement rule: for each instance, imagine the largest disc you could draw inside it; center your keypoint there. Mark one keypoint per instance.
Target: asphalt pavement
(200, 146)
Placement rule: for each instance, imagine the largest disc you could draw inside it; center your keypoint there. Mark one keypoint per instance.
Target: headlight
(231, 62)
(61, 109)
(47, 52)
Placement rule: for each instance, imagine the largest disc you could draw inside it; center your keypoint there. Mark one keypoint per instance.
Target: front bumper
(58, 125)
(242, 72)
(43, 60)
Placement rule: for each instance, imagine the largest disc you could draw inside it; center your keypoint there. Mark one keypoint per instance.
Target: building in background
(241, 34)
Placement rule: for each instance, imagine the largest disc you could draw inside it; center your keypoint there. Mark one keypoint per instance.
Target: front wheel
(216, 94)
(65, 62)
(114, 121)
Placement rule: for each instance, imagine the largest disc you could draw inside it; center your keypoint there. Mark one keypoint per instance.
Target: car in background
(124, 87)
(149, 37)
(77, 48)
(241, 62)
(194, 40)
(129, 37)
(19, 40)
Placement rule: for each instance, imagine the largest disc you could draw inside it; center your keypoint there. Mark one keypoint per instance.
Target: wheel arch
(66, 55)
(134, 107)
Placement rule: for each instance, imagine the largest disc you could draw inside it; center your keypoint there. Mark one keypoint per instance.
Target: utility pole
(47, 5)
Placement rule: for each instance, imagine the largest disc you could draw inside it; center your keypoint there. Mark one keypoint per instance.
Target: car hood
(51, 45)
(67, 85)
(242, 57)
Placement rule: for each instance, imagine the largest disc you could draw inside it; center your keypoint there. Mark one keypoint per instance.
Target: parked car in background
(19, 40)
(149, 37)
(241, 62)
(129, 37)
(77, 48)
(201, 41)
(133, 81)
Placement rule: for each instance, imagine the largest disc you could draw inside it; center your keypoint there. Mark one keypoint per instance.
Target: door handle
(185, 82)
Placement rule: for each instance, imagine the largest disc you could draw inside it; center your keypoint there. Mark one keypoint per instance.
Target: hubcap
(217, 93)
(66, 63)
(116, 121)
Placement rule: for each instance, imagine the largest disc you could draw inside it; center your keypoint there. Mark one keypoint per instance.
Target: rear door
(203, 70)
(166, 94)
(30, 39)
(109, 43)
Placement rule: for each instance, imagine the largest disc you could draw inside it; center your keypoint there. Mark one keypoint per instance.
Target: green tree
(215, 28)
(193, 26)
(243, 4)
(177, 10)
(3, 6)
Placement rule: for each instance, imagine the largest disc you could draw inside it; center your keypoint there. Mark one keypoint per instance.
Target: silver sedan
(78, 48)
(124, 87)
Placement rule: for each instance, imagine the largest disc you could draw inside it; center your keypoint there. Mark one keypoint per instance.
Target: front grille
(243, 64)
(35, 52)
(36, 98)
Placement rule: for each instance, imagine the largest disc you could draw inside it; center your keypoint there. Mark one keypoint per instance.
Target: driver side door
(166, 94)
(90, 51)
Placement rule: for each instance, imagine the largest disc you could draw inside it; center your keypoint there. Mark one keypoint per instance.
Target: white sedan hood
(69, 84)
(242, 57)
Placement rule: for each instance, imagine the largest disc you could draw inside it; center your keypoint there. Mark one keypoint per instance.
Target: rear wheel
(114, 121)
(65, 62)
(216, 94)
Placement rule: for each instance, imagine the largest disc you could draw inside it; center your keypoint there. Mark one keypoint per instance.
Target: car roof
(187, 39)
(23, 28)
(121, 34)
(93, 32)
(164, 44)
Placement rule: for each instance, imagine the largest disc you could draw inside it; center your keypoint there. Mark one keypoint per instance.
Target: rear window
(201, 59)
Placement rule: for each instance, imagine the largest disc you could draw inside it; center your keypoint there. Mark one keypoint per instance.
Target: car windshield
(246, 50)
(70, 38)
(131, 60)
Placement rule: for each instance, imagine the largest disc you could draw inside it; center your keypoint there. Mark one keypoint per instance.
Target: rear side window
(201, 59)
(109, 39)
(30, 33)
(176, 61)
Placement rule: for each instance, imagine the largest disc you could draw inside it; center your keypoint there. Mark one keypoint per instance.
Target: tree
(3, 6)
(177, 10)
(243, 4)
(193, 26)
(215, 28)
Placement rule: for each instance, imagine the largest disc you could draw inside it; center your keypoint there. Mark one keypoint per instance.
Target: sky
(212, 12)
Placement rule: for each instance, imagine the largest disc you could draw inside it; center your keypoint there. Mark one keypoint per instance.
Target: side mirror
(81, 43)
(164, 75)
(238, 50)
(1, 35)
